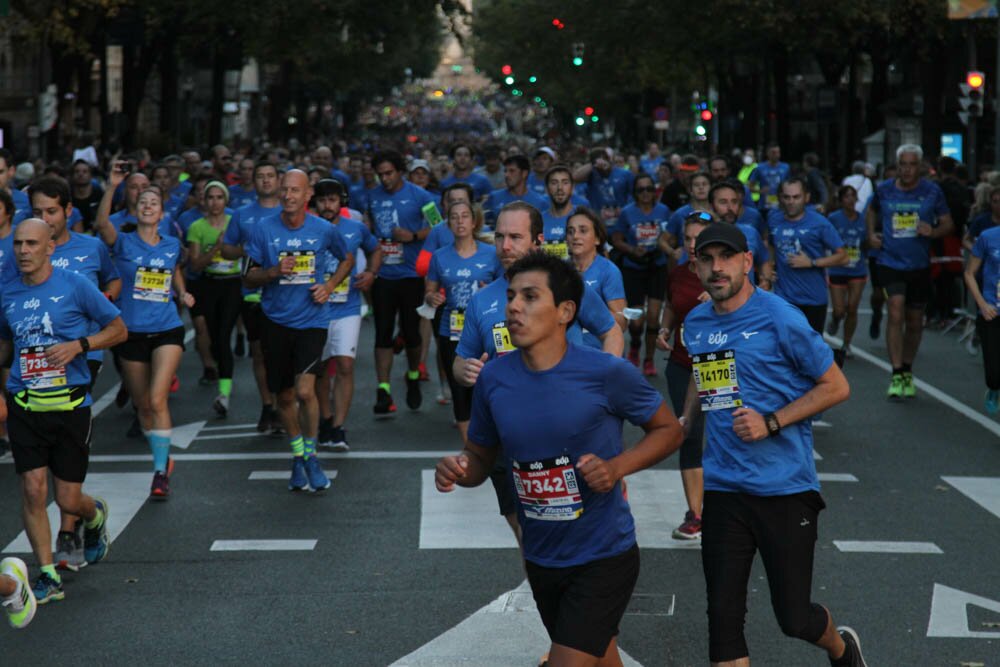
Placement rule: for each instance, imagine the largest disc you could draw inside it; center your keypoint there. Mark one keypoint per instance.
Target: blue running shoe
(299, 481)
(95, 540)
(992, 401)
(47, 589)
(318, 481)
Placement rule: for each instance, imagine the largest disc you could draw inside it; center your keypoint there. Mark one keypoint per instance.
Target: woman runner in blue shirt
(587, 237)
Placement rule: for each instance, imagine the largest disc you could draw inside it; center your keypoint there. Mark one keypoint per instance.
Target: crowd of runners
(510, 279)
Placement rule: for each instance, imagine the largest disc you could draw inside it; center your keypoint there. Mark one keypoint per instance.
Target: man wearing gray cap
(541, 162)
(759, 372)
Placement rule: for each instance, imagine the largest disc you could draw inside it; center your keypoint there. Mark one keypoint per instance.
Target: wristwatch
(84, 344)
(773, 427)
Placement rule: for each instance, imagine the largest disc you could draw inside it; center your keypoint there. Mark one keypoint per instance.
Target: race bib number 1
(501, 339)
(548, 489)
(715, 376)
(36, 372)
(152, 284)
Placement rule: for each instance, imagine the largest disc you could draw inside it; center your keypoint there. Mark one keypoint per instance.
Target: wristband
(84, 344)
(773, 427)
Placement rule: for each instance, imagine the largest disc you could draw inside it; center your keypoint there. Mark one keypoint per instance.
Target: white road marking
(469, 518)
(985, 491)
(263, 545)
(262, 456)
(182, 436)
(949, 613)
(836, 477)
(881, 547)
(258, 475)
(932, 391)
(126, 493)
(230, 427)
(505, 633)
(232, 436)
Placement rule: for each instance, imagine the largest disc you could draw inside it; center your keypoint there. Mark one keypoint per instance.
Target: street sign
(661, 124)
(661, 113)
(951, 145)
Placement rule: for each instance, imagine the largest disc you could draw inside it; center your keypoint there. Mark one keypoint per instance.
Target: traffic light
(588, 111)
(578, 54)
(707, 115)
(976, 82)
(557, 24)
(506, 70)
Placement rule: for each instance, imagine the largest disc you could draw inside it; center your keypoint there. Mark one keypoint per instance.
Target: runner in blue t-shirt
(904, 215)
(6, 237)
(462, 172)
(287, 253)
(243, 193)
(847, 282)
(609, 188)
(566, 458)
(49, 319)
(515, 175)
(767, 178)
(698, 185)
(804, 244)
(456, 273)
(641, 236)
(330, 202)
(760, 372)
(559, 188)
(728, 206)
(587, 239)
(985, 255)
(541, 162)
(149, 265)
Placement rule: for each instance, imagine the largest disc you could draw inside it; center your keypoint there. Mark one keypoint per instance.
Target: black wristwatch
(773, 427)
(84, 343)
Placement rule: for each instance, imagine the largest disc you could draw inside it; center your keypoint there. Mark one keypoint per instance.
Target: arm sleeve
(254, 249)
(470, 344)
(335, 243)
(809, 353)
(108, 270)
(831, 237)
(594, 315)
(630, 395)
(482, 427)
(95, 304)
(979, 247)
(614, 286)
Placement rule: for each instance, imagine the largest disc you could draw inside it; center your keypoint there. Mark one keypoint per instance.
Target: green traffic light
(579, 121)
(594, 119)
(532, 79)
(509, 80)
(578, 61)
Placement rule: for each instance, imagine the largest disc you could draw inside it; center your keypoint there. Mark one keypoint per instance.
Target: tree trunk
(218, 97)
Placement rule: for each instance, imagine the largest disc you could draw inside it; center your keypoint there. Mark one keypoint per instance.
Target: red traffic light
(706, 114)
(588, 111)
(559, 25)
(976, 80)
(506, 69)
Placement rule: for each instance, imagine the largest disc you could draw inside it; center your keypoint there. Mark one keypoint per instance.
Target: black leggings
(461, 396)
(989, 340)
(734, 526)
(816, 315)
(678, 379)
(390, 297)
(220, 301)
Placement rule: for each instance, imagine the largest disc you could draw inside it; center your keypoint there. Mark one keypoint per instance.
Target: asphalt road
(395, 575)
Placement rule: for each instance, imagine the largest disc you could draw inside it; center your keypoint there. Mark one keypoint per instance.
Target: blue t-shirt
(979, 224)
(770, 176)
(22, 205)
(536, 184)
(899, 212)
(853, 233)
(398, 209)
(643, 230)
(605, 278)
(486, 321)
(613, 190)
(147, 274)
(751, 216)
(675, 223)
(346, 299)
(288, 300)
(481, 185)
(461, 277)
(813, 235)
(64, 308)
(500, 198)
(7, 255)
(240, 197)
(554, 233)
(650, 165)
(769, 353)
(563, 522)
(359, 197)
(238, 232)
(123, 217)
(987, 248)
(440, 236)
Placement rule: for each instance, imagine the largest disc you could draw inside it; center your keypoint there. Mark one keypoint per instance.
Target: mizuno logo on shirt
(348, 236)
(311, 241)
(747, 334)
(591, 282)
(480, 266)
(170, 255)
(80, 258)
(56, 299)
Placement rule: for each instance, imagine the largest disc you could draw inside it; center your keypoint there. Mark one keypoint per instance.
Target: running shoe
(20, 606)
(633, 356)
(442, 399)
(47, 589)
(324, 438)
(383, 403)
(208, 377)
(339, 439)
(121, 398)
(649, 368)
(424, 375)
(4, 448)
(318, 481)
(690, 529)
(69, 550)
(175, 385)
(298, 481)
(241, 346)
(853, 646)
(221, 405)
(832, 326)
(413, 396)
(264, 421)
(875, 327)
(909, 386)
(95, 540)
(992, 401)
(896, 386)
(160, 488)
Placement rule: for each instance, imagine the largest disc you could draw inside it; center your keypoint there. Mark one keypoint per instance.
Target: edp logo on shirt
(717, 338)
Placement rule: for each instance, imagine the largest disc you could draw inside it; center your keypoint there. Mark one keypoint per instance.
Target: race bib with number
(392, 252)
(548, 489)
(501, 339)
(304, 270)
(222, 266)
(771, 200)
(456, 322)
(341, 291)
(715, 376)
(557, 249)
(904, 225)
(152, 284)
(647, 234)
(853, 255)
(36, 373)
